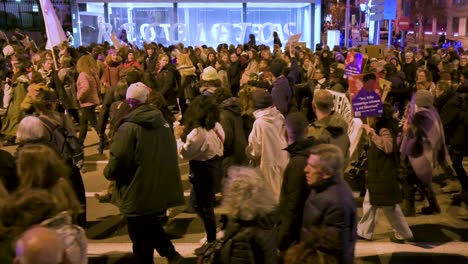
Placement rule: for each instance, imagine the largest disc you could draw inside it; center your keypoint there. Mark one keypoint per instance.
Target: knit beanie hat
(209, 74)
(424, 98)
(261, 99)
(138, 91)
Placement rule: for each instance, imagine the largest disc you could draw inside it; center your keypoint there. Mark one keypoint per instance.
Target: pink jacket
(87, 90)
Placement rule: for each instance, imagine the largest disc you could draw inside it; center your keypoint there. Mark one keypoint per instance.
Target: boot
(408, 207)
(433, 207)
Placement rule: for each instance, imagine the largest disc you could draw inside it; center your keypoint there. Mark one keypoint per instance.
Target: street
(439, 239)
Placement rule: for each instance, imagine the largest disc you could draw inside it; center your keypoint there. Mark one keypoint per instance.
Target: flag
(54, 30)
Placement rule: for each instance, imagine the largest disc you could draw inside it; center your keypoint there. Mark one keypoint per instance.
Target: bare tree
(424, 10)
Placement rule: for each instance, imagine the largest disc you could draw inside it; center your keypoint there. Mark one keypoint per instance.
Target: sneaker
(363, 238)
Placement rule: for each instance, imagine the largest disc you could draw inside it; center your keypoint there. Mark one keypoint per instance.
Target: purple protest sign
(354, 63)
(365, 95)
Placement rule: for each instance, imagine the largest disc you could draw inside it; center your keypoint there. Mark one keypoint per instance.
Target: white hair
(30, 128)
(246, 194)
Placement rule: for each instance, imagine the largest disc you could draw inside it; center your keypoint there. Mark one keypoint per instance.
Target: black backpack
(66, 144)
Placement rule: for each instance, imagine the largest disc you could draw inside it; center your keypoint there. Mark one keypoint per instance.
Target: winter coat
(261, 235)
(111, 72)
(330, 212)
(382, 170)
(33, 89)
(202, 144)
(235, 73)
(87, 90)
(8, 177)
(266, 144)
(144, 168)
(332, 129)
(167, 82)
(281, 94)
(450, 108)
(150, 63)
(235, 140)
(52, 81)
(67, 78)
(294, 193)
(14, 114)
(424, 144)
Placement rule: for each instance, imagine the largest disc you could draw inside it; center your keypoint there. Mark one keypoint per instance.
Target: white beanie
(138, 91)
(209, 74)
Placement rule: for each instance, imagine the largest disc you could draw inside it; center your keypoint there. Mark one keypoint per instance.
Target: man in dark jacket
(294, 190)
(143, 163)
(330, 207)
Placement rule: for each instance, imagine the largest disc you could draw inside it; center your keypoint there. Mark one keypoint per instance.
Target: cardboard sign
(293, 40)
(365, 95)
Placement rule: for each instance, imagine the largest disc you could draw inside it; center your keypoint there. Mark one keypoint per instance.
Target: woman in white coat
(267, 141)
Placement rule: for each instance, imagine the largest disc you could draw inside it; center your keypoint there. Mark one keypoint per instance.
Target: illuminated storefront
(196, 22)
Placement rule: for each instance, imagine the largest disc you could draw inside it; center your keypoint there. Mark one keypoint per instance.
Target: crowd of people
(256, 124)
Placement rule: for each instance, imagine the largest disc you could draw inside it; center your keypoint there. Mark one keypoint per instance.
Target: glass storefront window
(143, 22)
(209, 23)
(194, 23)
(285, 18)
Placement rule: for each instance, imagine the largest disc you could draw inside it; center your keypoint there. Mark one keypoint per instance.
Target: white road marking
(362, 248)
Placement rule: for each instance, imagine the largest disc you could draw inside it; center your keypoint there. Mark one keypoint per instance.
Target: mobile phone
(396, 107)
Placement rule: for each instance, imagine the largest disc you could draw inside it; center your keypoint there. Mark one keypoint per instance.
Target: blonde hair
(247, 195)
(30, 129)
(184, 59)
(87, 64)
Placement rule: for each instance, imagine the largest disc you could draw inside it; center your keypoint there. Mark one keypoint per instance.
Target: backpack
(191, 88)
(73, 237)
(220, 250)
(66, 144)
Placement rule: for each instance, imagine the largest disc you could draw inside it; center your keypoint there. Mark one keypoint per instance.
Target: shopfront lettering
(219, 32)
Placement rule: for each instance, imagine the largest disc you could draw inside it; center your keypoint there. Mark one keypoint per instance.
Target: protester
(266, 142)
(146, 175)
(330, 207)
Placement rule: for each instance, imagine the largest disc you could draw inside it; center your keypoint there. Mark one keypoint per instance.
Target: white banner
(54, 30)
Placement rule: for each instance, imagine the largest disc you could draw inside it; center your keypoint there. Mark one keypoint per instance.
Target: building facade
(195, 22)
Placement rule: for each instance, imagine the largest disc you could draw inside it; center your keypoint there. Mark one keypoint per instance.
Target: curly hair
(203, 112)
(246, 195)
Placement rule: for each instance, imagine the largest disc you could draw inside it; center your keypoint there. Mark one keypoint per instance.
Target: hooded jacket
(143, 163)
(267, 143)
(294, 192)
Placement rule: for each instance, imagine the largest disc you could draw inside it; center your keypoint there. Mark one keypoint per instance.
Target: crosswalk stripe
(362, 248)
